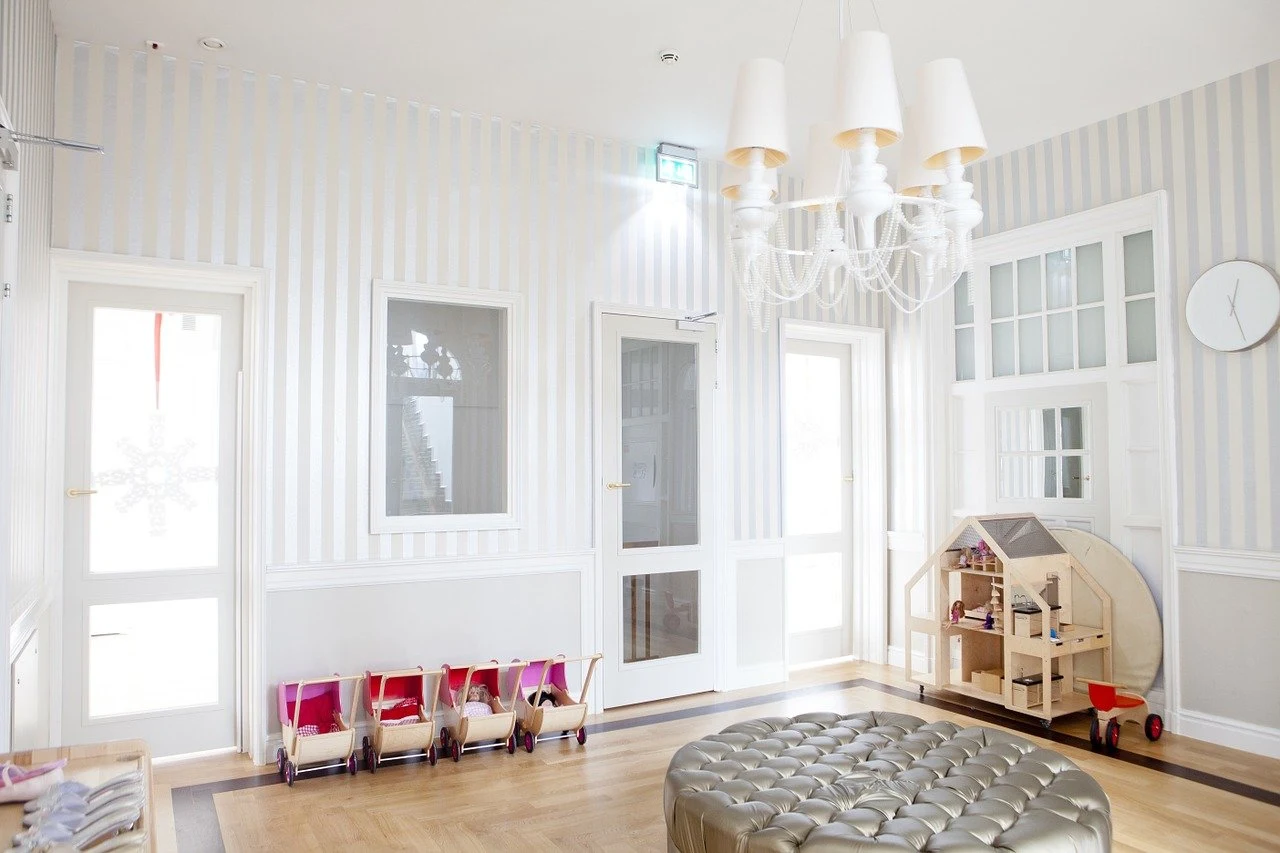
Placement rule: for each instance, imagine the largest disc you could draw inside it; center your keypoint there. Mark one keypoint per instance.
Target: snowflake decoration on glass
(155, 475)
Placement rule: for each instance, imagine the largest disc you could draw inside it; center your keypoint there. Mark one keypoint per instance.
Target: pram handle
(355, 694)
(561, 659)
(517, 665)
(399, 673)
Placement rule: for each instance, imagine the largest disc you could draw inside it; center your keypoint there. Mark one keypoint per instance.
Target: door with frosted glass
(818, 500)
(656, 416)
(150, 517)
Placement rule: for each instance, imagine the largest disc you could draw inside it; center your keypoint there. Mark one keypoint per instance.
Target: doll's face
(478, 693)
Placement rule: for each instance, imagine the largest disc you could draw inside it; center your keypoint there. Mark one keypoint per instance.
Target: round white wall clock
(1234, 305)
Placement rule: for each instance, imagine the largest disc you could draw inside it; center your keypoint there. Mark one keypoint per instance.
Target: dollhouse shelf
(1027, 569)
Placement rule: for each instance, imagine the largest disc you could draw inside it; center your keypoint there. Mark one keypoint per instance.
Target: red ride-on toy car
(1112, 705)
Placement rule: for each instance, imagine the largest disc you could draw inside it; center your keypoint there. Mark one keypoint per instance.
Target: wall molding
(1224, 561)
(1260, 740)
(29, 610)
(289, 578)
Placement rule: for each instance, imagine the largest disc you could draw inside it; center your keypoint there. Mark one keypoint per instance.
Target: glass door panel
(660, 616)
(814, 497)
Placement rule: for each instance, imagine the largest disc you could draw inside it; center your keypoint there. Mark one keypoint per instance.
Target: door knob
(75, 493)
(612, 486)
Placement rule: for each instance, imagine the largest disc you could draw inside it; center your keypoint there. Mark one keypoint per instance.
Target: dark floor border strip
(195, 817)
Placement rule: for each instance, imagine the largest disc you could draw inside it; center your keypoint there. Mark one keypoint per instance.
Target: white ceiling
(1037, 67)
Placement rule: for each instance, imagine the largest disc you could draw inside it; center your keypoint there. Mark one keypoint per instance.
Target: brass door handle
(75, 493)
(612, 486)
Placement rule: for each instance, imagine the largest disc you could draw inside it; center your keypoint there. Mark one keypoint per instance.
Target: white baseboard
(757, 675)
(898, 658)
(1250, 737)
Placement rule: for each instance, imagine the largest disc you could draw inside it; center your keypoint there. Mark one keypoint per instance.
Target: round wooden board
(1137, 636)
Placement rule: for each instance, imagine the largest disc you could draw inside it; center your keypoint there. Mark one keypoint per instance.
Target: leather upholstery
(874, 781)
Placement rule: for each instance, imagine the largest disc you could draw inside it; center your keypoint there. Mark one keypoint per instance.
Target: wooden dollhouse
(989, 615)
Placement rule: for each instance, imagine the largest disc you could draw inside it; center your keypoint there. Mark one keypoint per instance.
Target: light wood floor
(608, 795)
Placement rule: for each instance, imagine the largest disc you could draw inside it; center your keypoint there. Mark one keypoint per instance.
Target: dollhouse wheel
(1154, 726)
(431, 755)
(290, 773)
(351, 764)
(455, 749)
(1046, 724)
(511, 745)
(528, 741)
(280, 759)
(1095, 734)
(582, 735)
(1113, 735)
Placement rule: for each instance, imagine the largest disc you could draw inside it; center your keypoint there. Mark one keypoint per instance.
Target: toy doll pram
(534, 718)
(463, 728)
(401, 705)
(316, 736)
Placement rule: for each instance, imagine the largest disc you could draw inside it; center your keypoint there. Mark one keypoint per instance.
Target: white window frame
(513, 305)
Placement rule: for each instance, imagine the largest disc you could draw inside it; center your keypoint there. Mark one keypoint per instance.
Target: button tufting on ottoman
(876, 781)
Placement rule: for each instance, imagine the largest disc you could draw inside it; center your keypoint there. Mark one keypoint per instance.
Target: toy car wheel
(431, 755)
(1113, 735)
(582, 735)
(511, 745)
(528, 741)
(1095, 734)
(290, 773)
(455, 749)
(280, 759)
(351, 764)
(1154, 726)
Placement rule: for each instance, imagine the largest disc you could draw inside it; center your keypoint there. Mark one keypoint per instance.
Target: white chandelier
(864, 231)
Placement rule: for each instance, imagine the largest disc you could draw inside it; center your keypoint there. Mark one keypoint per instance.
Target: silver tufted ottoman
(876, 781)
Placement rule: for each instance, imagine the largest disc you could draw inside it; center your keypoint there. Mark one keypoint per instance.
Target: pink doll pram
(471, 725)
(538, 711)
(315, 733)
(401, 705)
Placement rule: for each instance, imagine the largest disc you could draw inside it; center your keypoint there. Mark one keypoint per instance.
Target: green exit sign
(677, 164)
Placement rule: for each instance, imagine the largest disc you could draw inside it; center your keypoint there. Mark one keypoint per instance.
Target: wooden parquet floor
(607, 796)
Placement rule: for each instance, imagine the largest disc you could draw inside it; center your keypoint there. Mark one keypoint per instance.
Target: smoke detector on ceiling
(668, 57)
(212, 43)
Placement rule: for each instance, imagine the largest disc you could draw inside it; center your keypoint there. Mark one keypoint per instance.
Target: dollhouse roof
(1015, 537)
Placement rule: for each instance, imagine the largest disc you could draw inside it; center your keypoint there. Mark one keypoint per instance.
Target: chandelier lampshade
(866, 91)
(913, 177)
(946, 115)
(735, 177)
(824, 171)
(759, 116)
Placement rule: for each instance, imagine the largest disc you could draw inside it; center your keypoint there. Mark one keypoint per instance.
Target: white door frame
(253, 284)
(717, 611)
(870, 593)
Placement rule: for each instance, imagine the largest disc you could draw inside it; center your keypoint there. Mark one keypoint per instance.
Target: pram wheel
(511, 745)
(431, 755)
(455, 749)
(528, 741)
(370, 757)
(290, 773)
(351, 764)
(444, 739)
(280, 758)
(582, 736)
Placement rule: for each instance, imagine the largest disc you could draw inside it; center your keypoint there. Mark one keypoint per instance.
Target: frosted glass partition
(1030, 286)
(1089, 283)
(1093, 336)
(1140, 330)
(1002, 303)
(1139, 264)
(1031, 345)
(1002, 354)
(1061, 344)
(964, 310)
(1058, 279)
(964, 354)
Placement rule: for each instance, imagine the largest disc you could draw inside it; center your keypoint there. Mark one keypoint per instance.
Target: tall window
(442, 419)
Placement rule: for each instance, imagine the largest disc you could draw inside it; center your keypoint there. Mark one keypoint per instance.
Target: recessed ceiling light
(669, 57)
(211, 43)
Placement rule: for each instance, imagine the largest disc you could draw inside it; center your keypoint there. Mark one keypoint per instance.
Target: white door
(151, 462)
(818, 500)
(656, 421)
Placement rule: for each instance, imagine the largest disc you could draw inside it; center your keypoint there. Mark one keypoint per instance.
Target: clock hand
(1231, 300)
(1243, 336)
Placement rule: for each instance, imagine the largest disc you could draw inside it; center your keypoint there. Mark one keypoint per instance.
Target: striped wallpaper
(1215, 151)
(329, 189)
(27, 87)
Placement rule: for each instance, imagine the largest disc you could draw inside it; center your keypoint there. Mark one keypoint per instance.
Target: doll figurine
(957, 612)
(990, 621)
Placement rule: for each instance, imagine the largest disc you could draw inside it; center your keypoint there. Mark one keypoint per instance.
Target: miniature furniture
(874, 780)
(1112, 706)
(401, 708)
(316, 734)
(1013, 568)
(461, 732)
(92, 764)
(536, 721)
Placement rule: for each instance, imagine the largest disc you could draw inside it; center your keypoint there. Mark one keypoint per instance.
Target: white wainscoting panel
(756, 630)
